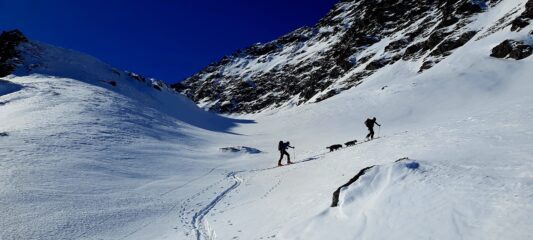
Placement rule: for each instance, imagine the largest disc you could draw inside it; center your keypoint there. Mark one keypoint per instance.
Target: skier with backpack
(369, 123)
(282, 147)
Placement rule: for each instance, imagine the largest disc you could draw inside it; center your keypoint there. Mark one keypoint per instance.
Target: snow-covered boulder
(402, 163)
(512, 49)
(241, 149)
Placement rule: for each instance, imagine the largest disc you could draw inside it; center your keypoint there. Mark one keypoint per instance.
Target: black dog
(350, 143)
(334, 147)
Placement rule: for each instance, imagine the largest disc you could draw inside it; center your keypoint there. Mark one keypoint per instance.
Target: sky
(164, 39)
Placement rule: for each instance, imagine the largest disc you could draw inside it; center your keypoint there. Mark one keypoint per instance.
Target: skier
(369, 123)
(282, 147)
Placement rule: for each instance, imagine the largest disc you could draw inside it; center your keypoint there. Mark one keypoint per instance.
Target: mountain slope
(355, 40)
(83, 158)
(26, 57)
(466, 122)
(87, 150)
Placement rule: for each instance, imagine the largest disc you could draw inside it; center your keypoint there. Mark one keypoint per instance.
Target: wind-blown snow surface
(80, 159)
(85, 160)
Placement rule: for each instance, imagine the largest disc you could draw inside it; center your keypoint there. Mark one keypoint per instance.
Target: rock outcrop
(524, 19)
(512, 49)
(9, 56)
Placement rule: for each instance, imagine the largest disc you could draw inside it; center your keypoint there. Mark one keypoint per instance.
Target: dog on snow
(350, 143)
(334, 147)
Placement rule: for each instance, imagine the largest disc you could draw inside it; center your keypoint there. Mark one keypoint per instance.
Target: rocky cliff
(353, 41)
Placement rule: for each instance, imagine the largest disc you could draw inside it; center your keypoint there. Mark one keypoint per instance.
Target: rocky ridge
(353, 41)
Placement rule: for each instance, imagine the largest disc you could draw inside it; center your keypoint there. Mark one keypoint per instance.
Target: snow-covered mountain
(355, 40)
(88, 151)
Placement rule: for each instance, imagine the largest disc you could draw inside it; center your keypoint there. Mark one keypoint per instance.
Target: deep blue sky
(169, 40)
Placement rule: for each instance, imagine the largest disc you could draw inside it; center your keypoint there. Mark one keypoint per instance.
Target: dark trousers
(284, 152)
(371, 133)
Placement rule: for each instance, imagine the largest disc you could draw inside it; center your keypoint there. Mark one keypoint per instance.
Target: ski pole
(294, 153)
(379, 130)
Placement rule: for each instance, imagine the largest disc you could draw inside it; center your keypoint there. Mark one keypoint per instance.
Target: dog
(350, 143)
(334, 147)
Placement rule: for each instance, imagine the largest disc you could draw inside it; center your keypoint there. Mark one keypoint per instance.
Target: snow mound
(337, 199)
(375, 180)
(368, 201)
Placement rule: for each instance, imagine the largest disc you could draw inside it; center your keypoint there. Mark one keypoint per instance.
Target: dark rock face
(377, 64)
(470, 7)
(178, 87)
(9, 57)
(512, 49)
(524, 19)
(312, 64)
(450, 44)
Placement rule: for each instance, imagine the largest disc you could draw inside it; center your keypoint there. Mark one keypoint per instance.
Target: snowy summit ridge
(21, 56)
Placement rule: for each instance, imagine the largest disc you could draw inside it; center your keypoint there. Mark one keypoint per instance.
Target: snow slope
(467, 122)
(83, 159)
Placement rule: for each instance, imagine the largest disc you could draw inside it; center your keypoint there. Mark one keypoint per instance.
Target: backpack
(368, 123)
(280, 146)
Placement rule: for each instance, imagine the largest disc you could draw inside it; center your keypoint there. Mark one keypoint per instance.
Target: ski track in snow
(199, 223)
(174, 207)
